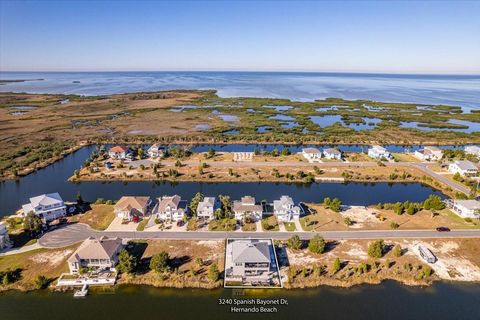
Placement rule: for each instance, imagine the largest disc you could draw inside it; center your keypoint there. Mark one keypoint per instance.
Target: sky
(342, 36)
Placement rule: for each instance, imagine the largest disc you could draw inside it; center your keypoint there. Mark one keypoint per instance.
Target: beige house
(246, 206)
(129, 207)
(312, 154)
(429, 154)
(98, 254)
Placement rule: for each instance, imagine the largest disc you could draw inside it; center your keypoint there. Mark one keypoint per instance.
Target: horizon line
(473, 73)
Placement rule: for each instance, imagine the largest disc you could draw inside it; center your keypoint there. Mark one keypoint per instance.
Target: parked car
(179, 223)
(443, 229)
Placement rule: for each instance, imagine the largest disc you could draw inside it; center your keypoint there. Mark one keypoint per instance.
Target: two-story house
(379, 153)
(132, 208)
(249, 258)
(4, 239)
(47, 207)
(118, 152)
(285, 209)
(98, 254)
(247, 207)
(171, 208)
(463, 167)
(156, 151)
(207, 207)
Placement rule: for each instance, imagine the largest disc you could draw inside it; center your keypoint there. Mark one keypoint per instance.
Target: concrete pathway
(11, 251)
(281, 226)
(298, 226)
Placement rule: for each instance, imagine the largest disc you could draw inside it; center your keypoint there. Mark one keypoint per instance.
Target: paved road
(78, 232)
(422, 166)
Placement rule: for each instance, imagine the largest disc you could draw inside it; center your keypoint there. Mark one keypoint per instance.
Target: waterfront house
(207, 207)
(429, 154)
(156, 151)
(249, 258)
(247, 207)
(97, 254)
(171, 208)
(118, 152)
(4, 239)
(463, 167)
(47, 207)
(132, 208)
(242, 156)
(379, 153)
(312, 154)
(473, 150)
(332, 154)
(467, 208)
(285, 209)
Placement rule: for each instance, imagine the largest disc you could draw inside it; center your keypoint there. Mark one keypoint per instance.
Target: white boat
(81, 293)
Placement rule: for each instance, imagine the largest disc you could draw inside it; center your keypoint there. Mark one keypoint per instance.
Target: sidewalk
(31, 247)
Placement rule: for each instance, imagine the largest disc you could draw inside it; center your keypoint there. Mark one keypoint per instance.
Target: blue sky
(377, 36)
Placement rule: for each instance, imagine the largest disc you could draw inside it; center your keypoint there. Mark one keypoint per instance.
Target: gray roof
(247, 251)
(311, 150)
(466, 165)
(469, 204)
(46, 199)
(331, 151)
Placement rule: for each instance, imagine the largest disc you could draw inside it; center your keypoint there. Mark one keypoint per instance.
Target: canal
(389, 300)
(54, 179)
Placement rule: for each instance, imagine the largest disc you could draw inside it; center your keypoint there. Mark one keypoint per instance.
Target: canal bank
(54, 179)
(389, 300)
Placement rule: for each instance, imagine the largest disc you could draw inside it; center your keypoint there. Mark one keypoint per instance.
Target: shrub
(294, 242)
(376, 249)
(394, 225)
(41, 282)
(159, 262)
(336, 266)
(316, 244)
(213, 273)
(397, 251)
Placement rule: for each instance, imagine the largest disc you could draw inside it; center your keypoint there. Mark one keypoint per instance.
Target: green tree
(337, 264)
(210, 153)
(348, 221)
(32, 223)
(159, 262)
(335, 205)
(433, 202)
(327, 201)
(41, 282)
(397, 251)
(376, 249)
(79, 199)
(126, 262)
(195, 201)
(294, 242)
(285, 152)
(213, 273)
(316, 244)
(398, 208)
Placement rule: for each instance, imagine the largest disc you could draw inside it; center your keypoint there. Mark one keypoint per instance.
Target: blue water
(463, 90)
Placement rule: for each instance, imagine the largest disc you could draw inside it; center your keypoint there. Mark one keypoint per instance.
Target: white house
(156, 151)
(285, 209)
(333, 154)
(312, 154)
(47, 207)
(473, 150)
(171, 208)
(246, 206)
(129, 207)
(4, 239)
(429, 154)
(99, 254)
(118, 152)
(207, 207)
(463, 167)
(467, 208)
(378, 152)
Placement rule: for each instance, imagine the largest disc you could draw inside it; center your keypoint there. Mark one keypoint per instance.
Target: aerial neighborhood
(252, 257)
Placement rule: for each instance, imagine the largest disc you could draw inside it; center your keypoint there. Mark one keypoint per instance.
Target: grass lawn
(270, 224)
(98, 217)
(290, 226)
(222, 225)
(405, 157)
(249, 226)
(14, 227)
(141, 225)
(47, 262)
(457, 219)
